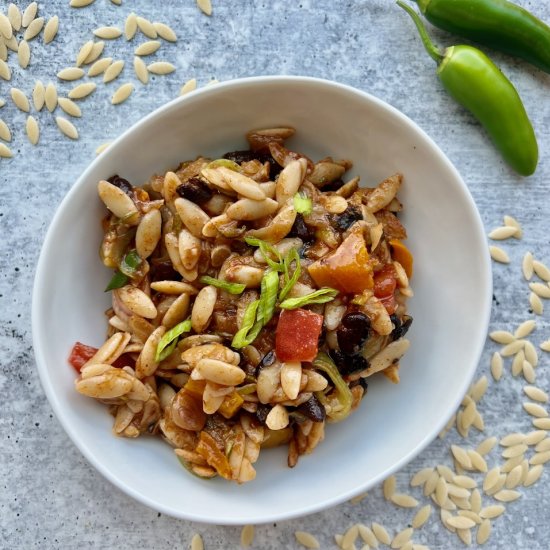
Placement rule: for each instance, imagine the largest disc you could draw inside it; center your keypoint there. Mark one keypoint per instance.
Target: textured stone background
(50, 496)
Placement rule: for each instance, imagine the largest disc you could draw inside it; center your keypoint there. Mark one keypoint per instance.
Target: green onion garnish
(242, 338)
(292, 256)
(117, 281)
(268, 297)
(302, 204)
(226, 163)
(169, 341)
(320, 296)
(130, 263)
(232, 288)
(268, 252)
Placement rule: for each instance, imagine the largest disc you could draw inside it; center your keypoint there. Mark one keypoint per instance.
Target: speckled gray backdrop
(50, 497)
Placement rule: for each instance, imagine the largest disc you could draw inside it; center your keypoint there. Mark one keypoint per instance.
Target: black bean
(348, 364)
(313, 409)
(347, 218)
(194, 190)
(248, 155)
(261, 412)
(333, 185)
(121, 183)
(364, 384)
(353, 331)
(301, 230)
(401, 326)
(267, 360)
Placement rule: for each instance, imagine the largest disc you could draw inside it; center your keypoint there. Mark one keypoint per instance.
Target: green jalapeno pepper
(496, 23)
(475, 82)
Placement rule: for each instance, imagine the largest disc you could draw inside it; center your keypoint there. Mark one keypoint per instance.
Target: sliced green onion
(324, 363)
(292, 256)
(130, 263)
(226, 163)
(118, 281)
(267, 251)
(169, 341)
(320, 296)
(268, 297)
(232, 288)
(240, 340)
(302, 204)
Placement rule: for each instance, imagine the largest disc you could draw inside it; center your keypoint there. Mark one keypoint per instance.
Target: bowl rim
(37, 308)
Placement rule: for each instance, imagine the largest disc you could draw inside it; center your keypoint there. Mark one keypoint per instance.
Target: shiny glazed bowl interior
(452, 284)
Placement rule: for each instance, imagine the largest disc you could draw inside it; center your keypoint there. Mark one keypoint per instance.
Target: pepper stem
(434, 52)
(423, 5)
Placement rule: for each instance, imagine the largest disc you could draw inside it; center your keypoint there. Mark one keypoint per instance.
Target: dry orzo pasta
(253, 296)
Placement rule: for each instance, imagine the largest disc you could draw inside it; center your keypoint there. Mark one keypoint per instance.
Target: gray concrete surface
(50, 497)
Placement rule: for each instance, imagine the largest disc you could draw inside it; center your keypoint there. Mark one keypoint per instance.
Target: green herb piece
(268, 251)
(130, 263)
(268, 297)
(320, 296)
(324, 363)
(292, 256)
(302, 204)
(226, 163)
(232, 288)
(169, 341)
(241, 339)
(118, 281)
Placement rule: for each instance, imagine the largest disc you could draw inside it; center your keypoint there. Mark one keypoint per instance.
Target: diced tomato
(385, 282)
(389, 303)
(297, 336)
(81, 354)
(384, 287)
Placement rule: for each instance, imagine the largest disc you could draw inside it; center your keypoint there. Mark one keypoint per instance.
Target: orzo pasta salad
(252, 298)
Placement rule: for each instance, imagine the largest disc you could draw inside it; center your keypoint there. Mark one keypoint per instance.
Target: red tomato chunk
(297, 335)
(81, 354)
(384, 287)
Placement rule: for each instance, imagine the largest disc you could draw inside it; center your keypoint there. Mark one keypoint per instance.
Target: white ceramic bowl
(452, 284)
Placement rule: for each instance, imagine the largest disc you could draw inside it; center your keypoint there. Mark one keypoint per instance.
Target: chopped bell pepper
(403, 255)
(384, 287)
(195, 387)
(347, 269)
(230, 405)
(297, 336)
(210, 451)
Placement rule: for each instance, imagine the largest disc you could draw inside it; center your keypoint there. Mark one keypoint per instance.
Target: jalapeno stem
(435, 53)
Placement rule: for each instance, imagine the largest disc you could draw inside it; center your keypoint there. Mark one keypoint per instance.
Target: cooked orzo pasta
(253, 296)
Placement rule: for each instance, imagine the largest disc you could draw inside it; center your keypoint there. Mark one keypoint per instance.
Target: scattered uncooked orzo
(189, 86)
(162, 68)
(536, 304)
(34, 28)
(165, 32)
(66, 127)
(147, 48)
(196, 542)
(113, 71)
(5, 132)
(501, 233)
(140, 69)
(108, 33)
(306, 539)
(50, 97)
(5, 151)
(380, 533)
(70, 73)
(50, 30)
(24, 54)
(205, 6)
(69, 106)
(146, 27)
(247, 536)
(20, 100)
(32, 129)
(122, 93)
(82, 90)
(499, 255)
(100, 66)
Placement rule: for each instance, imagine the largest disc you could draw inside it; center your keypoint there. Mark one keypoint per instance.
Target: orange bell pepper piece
(403, 255)
(347, 269)
(230, 405)
(210, 451)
